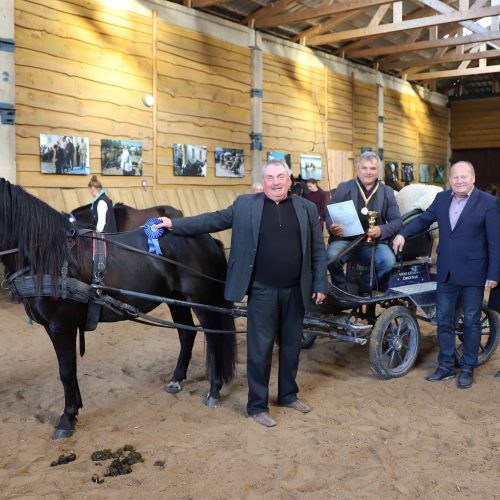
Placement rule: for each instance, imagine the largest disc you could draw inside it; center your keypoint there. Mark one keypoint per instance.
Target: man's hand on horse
(165, 222)
(374, 232)
(398, 243)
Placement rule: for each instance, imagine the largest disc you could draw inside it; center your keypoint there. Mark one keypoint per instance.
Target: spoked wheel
(307, 340)
(394, 342)
(490, 334)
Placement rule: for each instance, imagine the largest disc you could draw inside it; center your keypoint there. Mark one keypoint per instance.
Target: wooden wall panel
(340, 112)
(475, 123)
(294, 110)
(81, 69)
(203, 99)
(433, 133)
(364, 111)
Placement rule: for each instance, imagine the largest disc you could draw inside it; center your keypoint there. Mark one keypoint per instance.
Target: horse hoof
(212, 402)
(62, 433)
(173, 387)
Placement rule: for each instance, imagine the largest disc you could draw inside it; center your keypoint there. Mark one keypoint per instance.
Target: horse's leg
(181, 315)
(64, 341)
(221, 353)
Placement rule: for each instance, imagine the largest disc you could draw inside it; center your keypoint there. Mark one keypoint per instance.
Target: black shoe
(440, 374)
(464, 380)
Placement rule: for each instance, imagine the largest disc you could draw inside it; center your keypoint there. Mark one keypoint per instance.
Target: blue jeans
(447, 295)
(384, 261)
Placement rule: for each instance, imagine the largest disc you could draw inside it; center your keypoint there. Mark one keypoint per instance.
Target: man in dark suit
(278, 259)
(367, 193)
(468, 259)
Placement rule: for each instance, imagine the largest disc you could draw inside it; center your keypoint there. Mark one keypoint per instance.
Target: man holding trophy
(377, 210)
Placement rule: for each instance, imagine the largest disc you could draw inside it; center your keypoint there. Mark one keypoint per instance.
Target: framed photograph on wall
(64, 154)
(190, 160)
(407, 174)
(391, 171)
(311, 167)
(280, 156)
(424, 173)
(229, 162)
(120, 157)
(439, 175)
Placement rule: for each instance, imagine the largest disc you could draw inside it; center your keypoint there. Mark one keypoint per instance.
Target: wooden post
(256, 95)
(155, 95)
(380, 128)
(7, 93)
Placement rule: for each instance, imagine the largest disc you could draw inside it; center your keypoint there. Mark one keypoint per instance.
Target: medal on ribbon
(153, 233)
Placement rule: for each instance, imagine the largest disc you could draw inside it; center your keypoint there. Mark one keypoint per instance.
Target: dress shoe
(299, 406)
(264, 419)
(464, 380)
(440, 374)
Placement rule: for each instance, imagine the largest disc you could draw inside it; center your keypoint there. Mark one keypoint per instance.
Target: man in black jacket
(278, 259)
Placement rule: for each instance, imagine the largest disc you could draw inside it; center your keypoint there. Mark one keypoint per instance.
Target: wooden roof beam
(327, 8)
(422, 62)
(201, 4)
(453, 73)
(426, 44)
(325, 26)
(343, 36)
(268, 11)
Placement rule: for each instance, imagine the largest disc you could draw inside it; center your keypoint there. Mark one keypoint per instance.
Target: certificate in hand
(344, 213)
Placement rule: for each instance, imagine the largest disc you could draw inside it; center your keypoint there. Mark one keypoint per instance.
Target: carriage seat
(417, 248)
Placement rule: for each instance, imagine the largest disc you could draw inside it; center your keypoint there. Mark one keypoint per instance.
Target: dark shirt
(319, 199)
(279, 253)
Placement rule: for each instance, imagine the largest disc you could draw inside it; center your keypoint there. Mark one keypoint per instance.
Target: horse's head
(83, 216)
(40, 232)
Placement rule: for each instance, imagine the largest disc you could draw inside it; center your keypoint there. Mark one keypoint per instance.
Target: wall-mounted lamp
(148, 100)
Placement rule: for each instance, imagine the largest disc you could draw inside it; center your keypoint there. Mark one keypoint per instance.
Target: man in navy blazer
(468, 259)
(278, 259)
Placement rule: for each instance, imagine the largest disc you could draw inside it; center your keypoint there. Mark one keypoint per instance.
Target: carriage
(389, 322)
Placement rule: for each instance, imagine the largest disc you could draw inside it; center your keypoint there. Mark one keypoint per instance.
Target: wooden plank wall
(474, 123)
(293, 109)
(83, 68)
(365, 117)
(203, 99)
(415, 131)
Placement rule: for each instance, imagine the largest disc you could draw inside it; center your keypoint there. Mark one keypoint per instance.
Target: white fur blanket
(416, 196)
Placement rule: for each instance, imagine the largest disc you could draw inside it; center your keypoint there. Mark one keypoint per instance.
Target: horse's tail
(226, 348)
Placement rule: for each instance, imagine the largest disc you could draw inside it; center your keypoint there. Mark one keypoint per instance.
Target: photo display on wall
(229, 162)
(407, 174)
(425, 173)
(391, 171)
(190, 160)
(311, 167)
(64, 154)
(280, 156)
(121, 157)
(439, 175)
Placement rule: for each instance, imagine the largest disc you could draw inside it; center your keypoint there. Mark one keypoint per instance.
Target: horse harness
(24, 285)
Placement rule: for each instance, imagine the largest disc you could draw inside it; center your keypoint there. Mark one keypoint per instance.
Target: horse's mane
(39, 231)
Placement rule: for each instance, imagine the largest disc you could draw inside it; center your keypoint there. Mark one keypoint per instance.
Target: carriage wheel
(490, 334)
(394, 342)
(308, 340)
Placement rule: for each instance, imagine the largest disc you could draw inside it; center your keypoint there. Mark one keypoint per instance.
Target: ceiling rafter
(427, 44)
(310, 13)
(453, 73)
(403, 26)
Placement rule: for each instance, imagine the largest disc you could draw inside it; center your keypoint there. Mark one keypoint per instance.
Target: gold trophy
(372, 219)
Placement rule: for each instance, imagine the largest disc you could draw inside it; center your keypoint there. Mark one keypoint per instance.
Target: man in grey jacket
(367, 194)
(278, 259)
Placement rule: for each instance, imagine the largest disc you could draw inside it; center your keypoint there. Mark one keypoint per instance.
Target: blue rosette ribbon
(153, 233)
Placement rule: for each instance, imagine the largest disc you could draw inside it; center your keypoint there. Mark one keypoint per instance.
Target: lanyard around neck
(365, 199)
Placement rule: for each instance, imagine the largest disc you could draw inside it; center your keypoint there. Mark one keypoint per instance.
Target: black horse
(46, 241)
(127, 218)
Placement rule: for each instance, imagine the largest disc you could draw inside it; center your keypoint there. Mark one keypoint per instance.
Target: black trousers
(273, 313)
